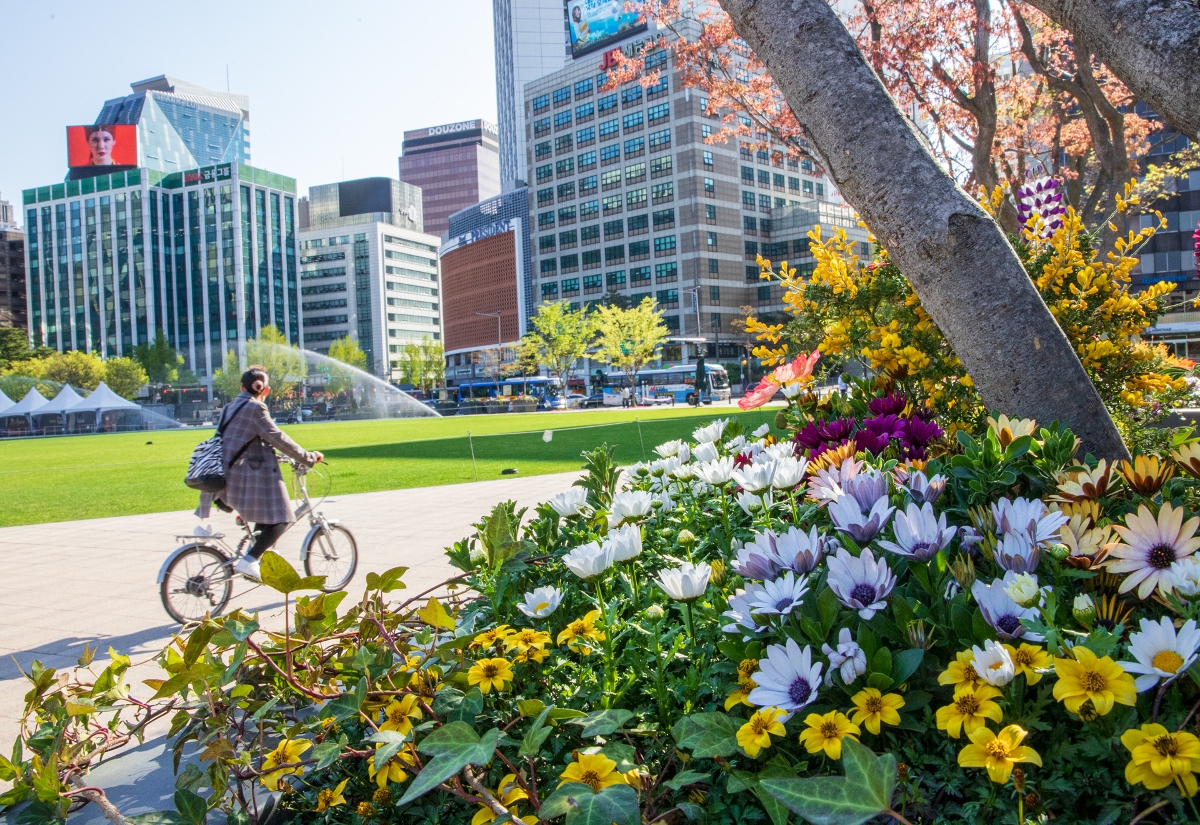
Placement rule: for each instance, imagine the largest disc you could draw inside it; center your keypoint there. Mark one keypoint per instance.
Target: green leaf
(614, 804)
(905, 664)
(346, 705)
(277, 574)
(864, 793)
(452, 746)
(881, 661)
(387, 581)
(827, 606)
(530, 707)
(157, 818)
(707, 734)
(326, 753)
(198, 642)
(392, 742)
(602, 722)
(193, 810)
(559, 715)
(687, 778)
(239, 629)
(532, 742)
(466, 708)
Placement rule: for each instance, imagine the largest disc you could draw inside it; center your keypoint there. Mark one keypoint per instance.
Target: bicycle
(196, 580)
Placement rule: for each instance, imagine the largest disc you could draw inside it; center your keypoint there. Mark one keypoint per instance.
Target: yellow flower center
(578, 628)
(1166, 745)
(490, 671)
(967, 704)
(396, 716)
(1023, 658)
(324, 798)
(759, 725)
(829, 730)
(970, 674)
(591, 778)
(1093, 682)
(1168, 661)
(364, 809)
(997, 749)
(874, 704)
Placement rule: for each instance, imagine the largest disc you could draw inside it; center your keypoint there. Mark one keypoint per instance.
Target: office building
(367, 271)
(629, 201)
(531, 41)
(456, 165)
(13, 309)
(486, 272)
(9, 216)
(205, 256)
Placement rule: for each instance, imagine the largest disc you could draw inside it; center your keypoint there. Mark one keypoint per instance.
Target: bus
(669, 385)
(547, 391)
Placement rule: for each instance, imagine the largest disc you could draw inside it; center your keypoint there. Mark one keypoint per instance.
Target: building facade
(456, 165)
(531, 41)
(13, 310)
(486, 272)
(629, 201)
(207, 257)
(368, 272)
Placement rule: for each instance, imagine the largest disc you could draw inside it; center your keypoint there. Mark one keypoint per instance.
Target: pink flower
(760, 395)
(799, 369)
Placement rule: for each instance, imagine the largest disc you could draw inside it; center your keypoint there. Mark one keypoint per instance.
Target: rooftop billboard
(594, 24)
(101, 148)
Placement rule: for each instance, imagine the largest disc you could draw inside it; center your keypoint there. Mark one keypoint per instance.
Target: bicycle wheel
(199, 582)
(332, 553)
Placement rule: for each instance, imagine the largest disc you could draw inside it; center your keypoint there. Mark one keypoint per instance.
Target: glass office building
(206, 256)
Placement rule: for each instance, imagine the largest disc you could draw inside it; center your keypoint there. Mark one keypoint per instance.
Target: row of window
(591, 259)
(638, 225)
(776, 159)
(583, 89)
(777, 180)
(657, 194)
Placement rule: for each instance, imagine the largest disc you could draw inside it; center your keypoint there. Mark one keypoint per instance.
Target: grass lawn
(78, 477)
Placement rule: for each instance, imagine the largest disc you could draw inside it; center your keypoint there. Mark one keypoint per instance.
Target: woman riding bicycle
(253, 484)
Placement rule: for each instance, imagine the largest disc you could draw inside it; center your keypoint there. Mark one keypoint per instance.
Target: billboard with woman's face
(594, 24)
(100, 149)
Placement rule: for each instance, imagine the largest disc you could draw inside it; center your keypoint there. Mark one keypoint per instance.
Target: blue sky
(329, 83)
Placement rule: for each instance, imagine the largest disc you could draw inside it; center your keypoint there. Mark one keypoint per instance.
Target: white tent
(16, 417)
(5, 401)
(57, 407)
(102, 399)
(103, 410)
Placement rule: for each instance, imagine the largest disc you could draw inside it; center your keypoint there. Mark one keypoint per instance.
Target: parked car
(596, 399)
(575, 400)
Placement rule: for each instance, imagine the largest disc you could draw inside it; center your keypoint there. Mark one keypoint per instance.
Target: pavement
(94, 582)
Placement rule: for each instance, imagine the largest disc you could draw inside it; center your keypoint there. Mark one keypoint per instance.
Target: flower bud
(1058, 551)
(963, 570)
(686, 537)
(1084, 609)
(718, 572)
(1023, 589)
(1018, 779)
(902, 772)
(918, 635)
(654, 613)
(781, 421)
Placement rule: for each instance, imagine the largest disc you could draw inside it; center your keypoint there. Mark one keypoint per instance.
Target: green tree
(559, 337)
(227, 381)
(629, 339)
(14, 345)
(285, 365)
(345, 351)
(124, 376)
(160, 360)
(82, 370)
(423, 365)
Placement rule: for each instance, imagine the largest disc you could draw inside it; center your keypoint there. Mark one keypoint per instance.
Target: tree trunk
(1153, 46)
(960, 264)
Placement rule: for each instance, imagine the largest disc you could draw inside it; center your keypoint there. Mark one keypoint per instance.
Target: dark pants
(268, 534)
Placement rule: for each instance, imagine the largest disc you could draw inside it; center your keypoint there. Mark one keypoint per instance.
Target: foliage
(345, 351)
(227, 381)
(423, 364)
(629, 339)
(160, 360)
(14, 345)
(82, 370)
(558, 339)
(124, 376)
(285, 365)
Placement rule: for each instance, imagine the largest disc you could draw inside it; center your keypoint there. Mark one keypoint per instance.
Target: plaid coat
(254, 485)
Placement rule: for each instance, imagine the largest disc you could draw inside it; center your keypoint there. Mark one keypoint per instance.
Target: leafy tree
(629, 339)
(227, 381)
(346, 351)
(160, 360)
(82, 370)
(559, 338)
(124, 376)
(14, 345)
(285, 365)
(423, 365)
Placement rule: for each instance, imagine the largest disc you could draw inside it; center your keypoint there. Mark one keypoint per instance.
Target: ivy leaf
(452, 746)
(327, 753)
(153, 818)
(277, 574)
(689, 777)
(583, 806)
(346, 705)
(532, 742)
(387, 581)
(392, 742)
(434, 615)
(193, 810)
(239, 629)
(863, 793)
(707, 734)
(602, 722)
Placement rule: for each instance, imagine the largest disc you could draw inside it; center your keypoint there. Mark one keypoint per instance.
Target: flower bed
(845, 616)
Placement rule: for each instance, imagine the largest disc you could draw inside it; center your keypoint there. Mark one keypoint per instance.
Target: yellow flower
(398, 715)
(997, 753)
(825, 733)
(529, 644)
(1030, 660)
(594, 769)
(1160, 757)
(327, 798)
(580, 629)
(490, 673)
(738, 696)
(871, 707)
(961, 672)
(287, 752)
(756, 734)
(393, 771)
(508, 794)
(1087, 677)
(489, 638)
(969, 709)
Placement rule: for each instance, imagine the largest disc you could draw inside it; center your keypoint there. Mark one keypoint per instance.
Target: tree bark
(1152, 45)
(960, 264)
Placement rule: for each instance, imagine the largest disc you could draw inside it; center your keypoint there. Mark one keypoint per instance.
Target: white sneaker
(248, 567)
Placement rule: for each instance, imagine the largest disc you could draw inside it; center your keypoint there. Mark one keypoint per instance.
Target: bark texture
(960, 264)
(1152, 45)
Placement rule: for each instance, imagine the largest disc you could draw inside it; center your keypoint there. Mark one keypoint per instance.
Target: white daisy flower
(1151, 548)
(685, 583)
(799, 550)
(753, 503)
(920, 534)
(755, 477)
(848, 659)
(670, 449)
(628, 506)
(569, 502)
(994, 664)
(1161, 652)
(716, 472)
(780, 449)
(1016, 553)
(790, 391)
(860, 583)
(860, 526)
(589, 560)
(1028, 517)
(787, 678)
(704, 453)
(781, 596)
(762, 431)
(710, 432)
(734, 445)
(739, 612)
(540, 602)
(1002, 613)
(1022, 588)
(1185, 577)
(626, 542)
(788, 472)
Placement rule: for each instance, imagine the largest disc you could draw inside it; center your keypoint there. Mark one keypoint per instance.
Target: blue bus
(669, 385)
(547, 391)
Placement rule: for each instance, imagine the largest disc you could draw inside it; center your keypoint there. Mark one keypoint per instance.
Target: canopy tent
(5, 402)
(15, 420)
(51, 416)
(103, 410)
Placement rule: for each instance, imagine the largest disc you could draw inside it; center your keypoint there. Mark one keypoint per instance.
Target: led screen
(596, 23)
(101, 148)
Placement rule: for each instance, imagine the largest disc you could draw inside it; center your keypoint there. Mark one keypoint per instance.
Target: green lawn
(77, 477)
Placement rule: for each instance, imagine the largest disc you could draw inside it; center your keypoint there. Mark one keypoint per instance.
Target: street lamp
(499, 343)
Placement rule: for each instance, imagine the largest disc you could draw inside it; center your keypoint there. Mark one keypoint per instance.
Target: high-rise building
(487, 281)
(367, 271)
(13, 309)
(8, 216)
(531, 42)
(456, 165)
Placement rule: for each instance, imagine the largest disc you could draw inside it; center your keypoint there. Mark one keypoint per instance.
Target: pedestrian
(625, 397)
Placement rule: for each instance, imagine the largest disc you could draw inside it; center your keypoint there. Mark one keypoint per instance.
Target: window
(705, 131)
(752, 273)
(616, 280)
(777, 180)
(631, 96)
(541, 127)
(588, 210)
(614, 254)
(714, 321)
(793, 184)
(671, 322)
(586, 137)
(632, 122)
(661, 166)
(658, 89)
(584, 113)
(793, 165)
(639, 276)
(563, 144)
(751, 249)
(712, 241)
(749, 223)
(668, 298)
(562, 95)
(545, 173)
(562, 120)
(666, 273)
(542, 150)
(609, 128)
(549, 267)
(613, 205)
(664, 246)
(764, 177)
(714, 294)
(820, 190)
(546, 243)
(566, 191)
(806, 165)
(659, 112)
(541, 102)
(639, 250)
(569, 263)
(635, 147)
(748, 174)
(566, 216)
(714, 266)
(610, 154)
(765, 226)
(614, 229)
(764, 294)
(564, 167)
(707, 157)
(587, 185)
(593, 284)
(808, 187)
(635, 199)
(663, 192)
(655, 60)
(550, 290)
(545, 196)
(570, 287)
(583, 88)
(635, 173)
(710, 187)
(745, 153)
(639, 225)
(574, 306)
(710, 213)
(761, 154)
(664, 219)
(611, 180)
(591, 259)
(568, 239)
(545, 219)
(589, 234)
(587, 161)
(764, 203)
(660, 139)
(606, 103)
